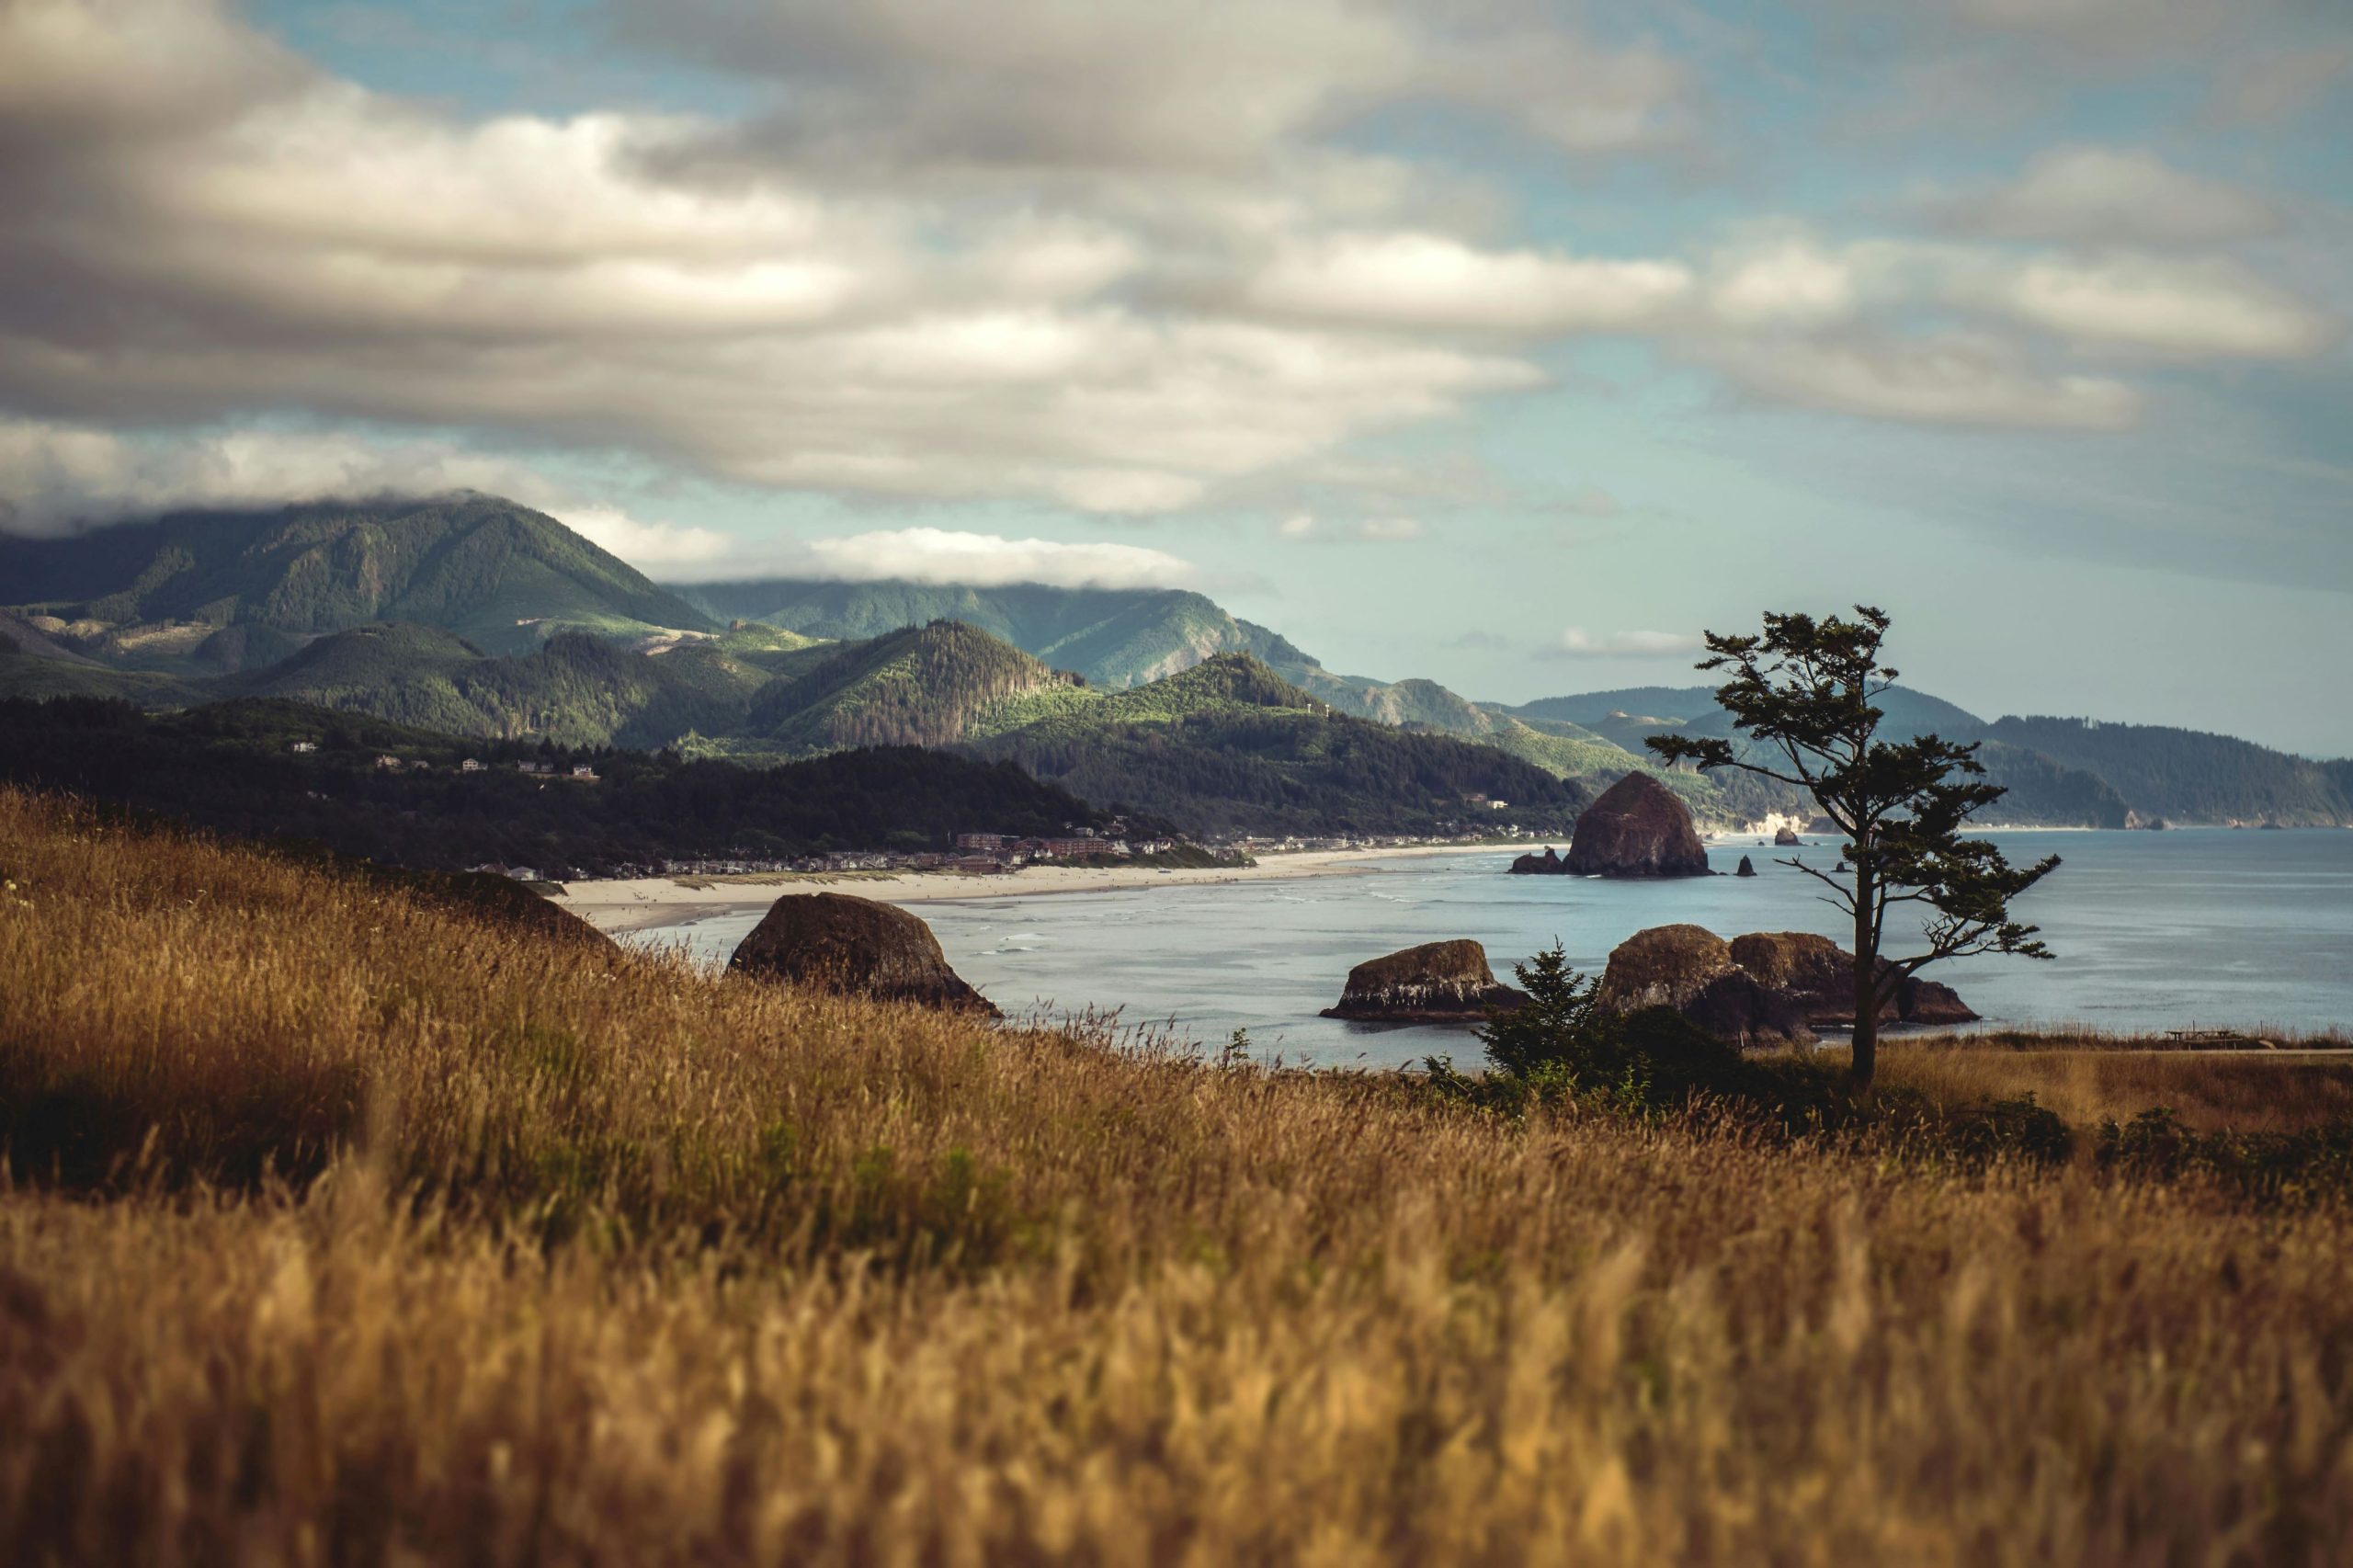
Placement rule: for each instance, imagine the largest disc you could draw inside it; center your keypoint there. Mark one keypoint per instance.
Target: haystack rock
(1637, 829)
(1438, 982)
(1548, 864)
(1747, 868)
(857, 948)
(1690, 970)
(1787, 838)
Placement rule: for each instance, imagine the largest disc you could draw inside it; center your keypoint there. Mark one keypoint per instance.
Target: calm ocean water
(2192, 928)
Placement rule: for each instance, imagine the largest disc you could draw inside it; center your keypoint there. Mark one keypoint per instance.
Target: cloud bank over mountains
(1117, 258)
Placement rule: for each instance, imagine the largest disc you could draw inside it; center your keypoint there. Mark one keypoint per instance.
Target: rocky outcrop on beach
(1438, 982)
(1766, 986)
(1548, 864)
(857, 948)
(1637, 829)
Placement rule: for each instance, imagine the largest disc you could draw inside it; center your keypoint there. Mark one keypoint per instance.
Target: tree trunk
(1866, 984)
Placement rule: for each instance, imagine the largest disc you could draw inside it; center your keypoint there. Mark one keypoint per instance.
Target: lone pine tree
(1804, 697)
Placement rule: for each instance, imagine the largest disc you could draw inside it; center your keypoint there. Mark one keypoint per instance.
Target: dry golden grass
(2248, 1091)
(588, 1258)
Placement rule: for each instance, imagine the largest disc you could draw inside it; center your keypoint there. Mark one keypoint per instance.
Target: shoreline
(618, 905)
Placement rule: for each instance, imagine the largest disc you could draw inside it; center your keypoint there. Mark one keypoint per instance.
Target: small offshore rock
(1438, 982)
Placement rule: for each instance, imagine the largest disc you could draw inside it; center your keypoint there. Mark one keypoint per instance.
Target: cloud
(2188, 308)
(57, 478)
(2112, 196)
(1786, 280)
(1945, 379)
(252, 235)
(1388, 531)
(1298, 525)
(939, 555)
(2277, 84)
(1429, 280)
(912, 88)
(1576, 643)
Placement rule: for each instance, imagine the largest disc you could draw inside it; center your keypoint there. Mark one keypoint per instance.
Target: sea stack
(857, 948)
(1548, 864)
(1787, 838)
(1438, 982)
(1637, 829)
(1747, 868)
(1764, 987)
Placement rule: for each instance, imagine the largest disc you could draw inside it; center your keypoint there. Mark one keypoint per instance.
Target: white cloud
(1298, 525)
(1948, 379)
(57, 477)
(2113, 196)
(1430, 280)
(1785, 281)
(658, 549)
(2192, 309)
(1388, 531)
(1210, 88)
(939, 555)
(1576, 643)
(255, 236)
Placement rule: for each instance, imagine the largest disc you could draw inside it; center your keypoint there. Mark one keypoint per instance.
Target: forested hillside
(1229, 746)
(575, 690)
(926, 687)
(230, 767)
(1114, 637)
(168, 589)
(2187, 776)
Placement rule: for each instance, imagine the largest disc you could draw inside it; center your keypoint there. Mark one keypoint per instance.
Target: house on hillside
(389, 763)
(582, 771)
(470, 764)
(302, 748)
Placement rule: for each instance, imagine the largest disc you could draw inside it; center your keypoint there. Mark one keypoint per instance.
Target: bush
(1561, 1044)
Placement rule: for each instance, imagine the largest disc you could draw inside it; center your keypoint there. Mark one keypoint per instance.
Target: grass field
(337, 1227)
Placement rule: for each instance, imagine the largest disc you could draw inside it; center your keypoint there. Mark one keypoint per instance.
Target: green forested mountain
(230, 767)
(2186, 775)
(454, 613)
(165, 590)
(924, 685)
(575, 690)
(1230, 747)
(1114, 637)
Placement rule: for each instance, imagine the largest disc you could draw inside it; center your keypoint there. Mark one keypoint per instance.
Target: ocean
(2192, 928)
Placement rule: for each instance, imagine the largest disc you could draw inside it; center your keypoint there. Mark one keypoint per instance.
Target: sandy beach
(633, 903)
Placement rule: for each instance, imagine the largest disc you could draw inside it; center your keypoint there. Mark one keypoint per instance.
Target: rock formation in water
(1763, 987)
(1690, 970)
(1548, 864)
(1787, 838)
(1637, 829)
(1747, 868)
(857, 948)
(1438, 982)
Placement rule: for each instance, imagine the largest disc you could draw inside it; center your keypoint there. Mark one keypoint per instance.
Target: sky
(1502, 342)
